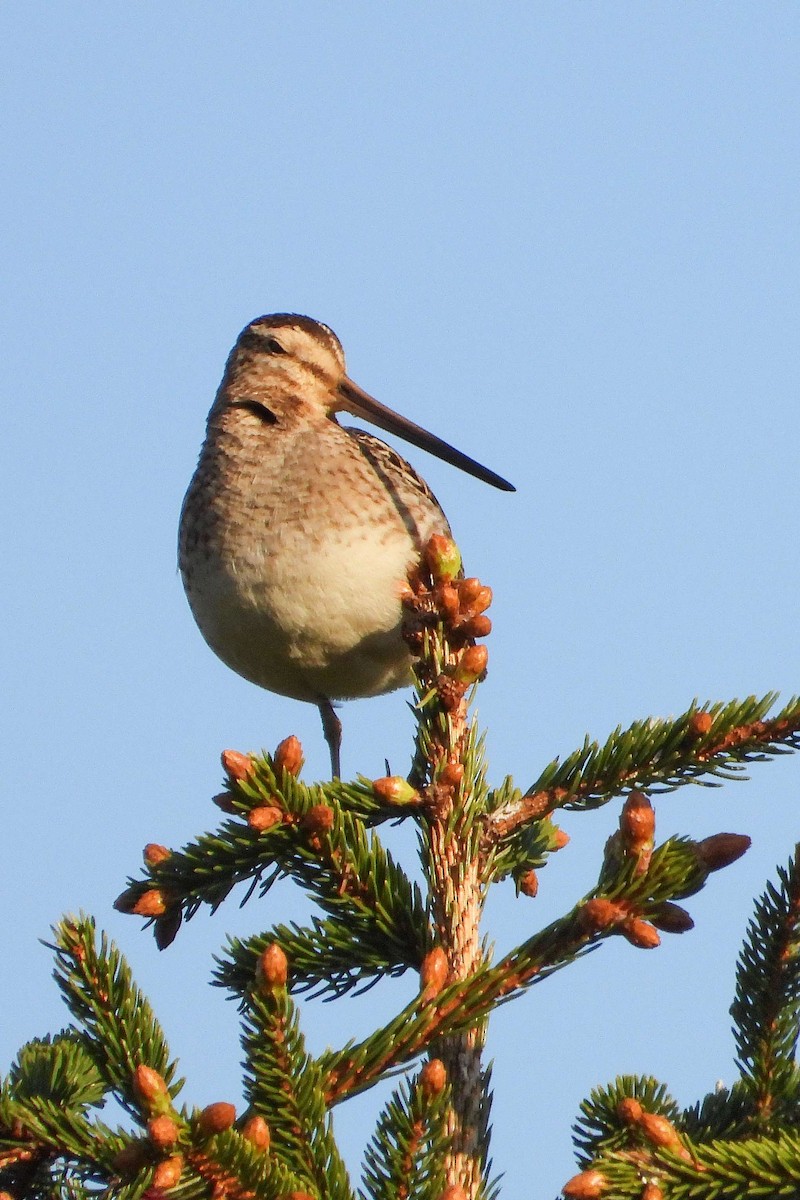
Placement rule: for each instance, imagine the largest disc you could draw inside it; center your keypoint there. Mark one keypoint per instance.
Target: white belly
(309, 622)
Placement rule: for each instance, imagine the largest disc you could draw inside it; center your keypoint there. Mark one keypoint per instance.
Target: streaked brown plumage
(297, 534)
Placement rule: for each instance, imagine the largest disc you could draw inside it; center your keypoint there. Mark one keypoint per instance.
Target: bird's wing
(411, 494)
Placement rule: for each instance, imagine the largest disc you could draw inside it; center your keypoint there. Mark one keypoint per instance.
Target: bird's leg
(332, 729)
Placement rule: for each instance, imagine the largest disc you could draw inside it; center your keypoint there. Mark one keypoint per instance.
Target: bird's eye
(261, 342)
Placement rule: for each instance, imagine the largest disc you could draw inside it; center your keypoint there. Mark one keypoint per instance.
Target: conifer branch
(324, 847)
(330, 957)
(285, 1086)
(122, 1032)
(447, 614)
(766, 1008)
(432, 1138)
(705, 744)
(406, 1155)
(688, 1171)
(233, 1167)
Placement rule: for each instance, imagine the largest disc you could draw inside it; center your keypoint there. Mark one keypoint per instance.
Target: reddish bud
(433, 1077)
(152, 903)
(167, 1173)
(559, 840)
(637, 822)
(433, 972)
(700, 723)
(256, 1131)
(166, 928)
(319, 819)
(443, 557)
(451, 774)
(721, 849)
(453, 1191)
(224, 800)
(125, 900)
(659, 1131)
(600, 914)
(288, 756)
(133, 1157)
(216, 1117)
(273, 968)
(472, 664)
(640, 933)
(264, 817)
(651, 1191)
(155, 854)
(586, 1186)
(469, 590)
(447, 600)
(236, 764)
(394, 789)
(671, 918)
(629, 1110)
(528, 883)
(163, 1132)
(476, 627)
(149, 1086)
(474, 597)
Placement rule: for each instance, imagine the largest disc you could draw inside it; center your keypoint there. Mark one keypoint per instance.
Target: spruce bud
(671, 918)
(451, 774)
(163, 1131)
(155, 854)
(151, 1090)
(599, 914)
(273, 968)
(319, 819)
(216, 1117)
(443, 557)
(660, 1132)
(433, 973)
(256, 1131)
(637, 823)
(586, 1186)
(700, 723)
(394, 789)
(167, 1173)
(476, 627)
(152, 903)
(472, 664)
(236, 764)
(433, 1077)
(224, 800)
(721, 849)
(640, 933)
(528, 883)
(166, 928)
(288, 756)
(629, 1110)
(132, 1157)
(264, 817)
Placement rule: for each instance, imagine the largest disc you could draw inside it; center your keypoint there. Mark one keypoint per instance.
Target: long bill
(361, 404)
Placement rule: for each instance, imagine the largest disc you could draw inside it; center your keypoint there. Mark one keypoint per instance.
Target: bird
(297, 533)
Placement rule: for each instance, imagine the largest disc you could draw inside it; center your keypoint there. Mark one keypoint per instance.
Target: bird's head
(285, 363)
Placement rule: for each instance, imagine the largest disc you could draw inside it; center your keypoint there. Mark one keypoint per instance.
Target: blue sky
(562, 235)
